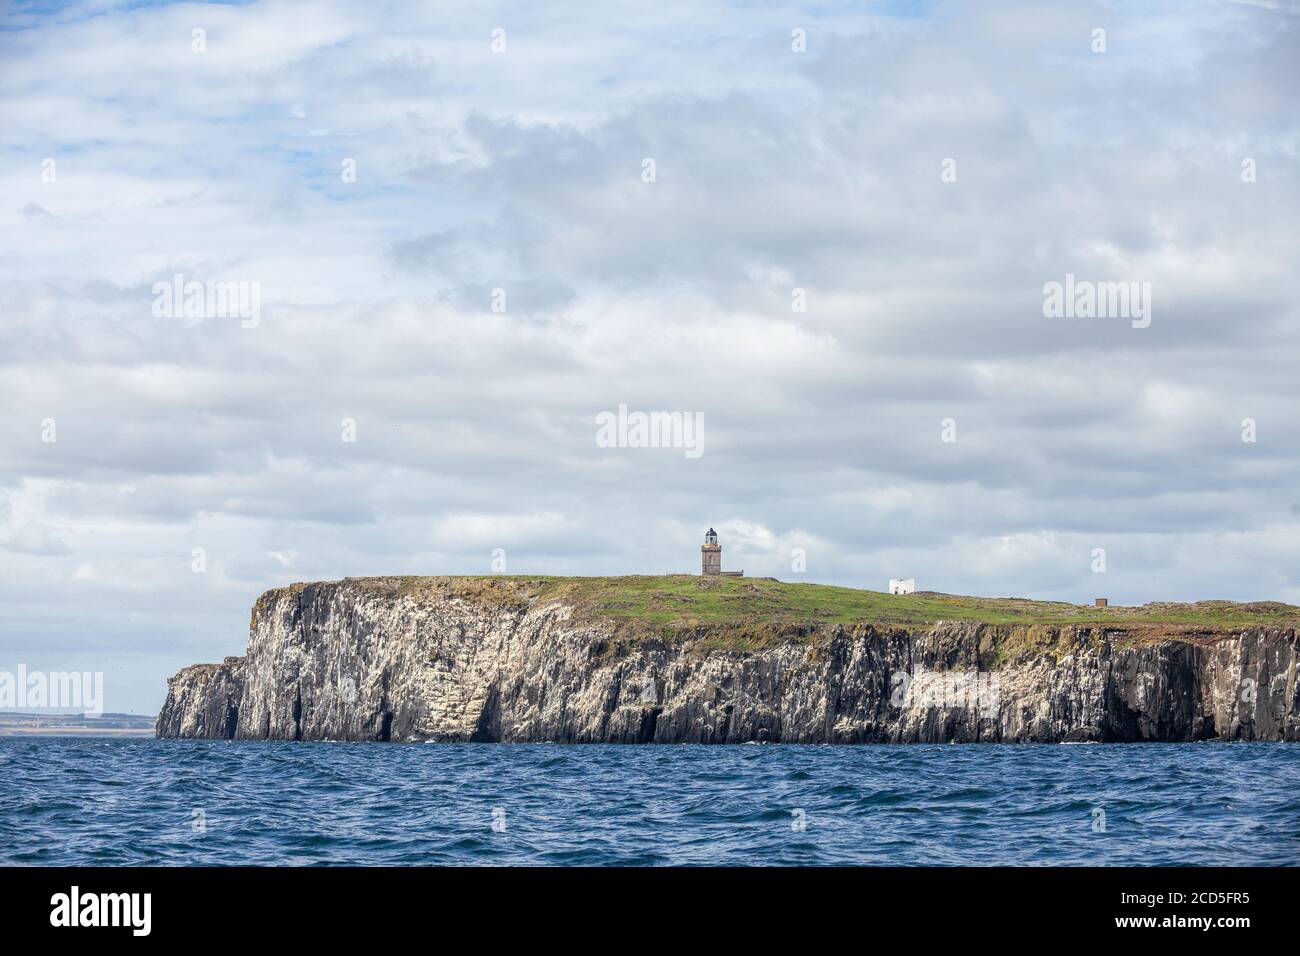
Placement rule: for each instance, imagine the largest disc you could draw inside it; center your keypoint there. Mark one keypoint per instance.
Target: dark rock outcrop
(355, 660)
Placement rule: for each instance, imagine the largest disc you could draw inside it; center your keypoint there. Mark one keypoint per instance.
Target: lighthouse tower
(711, 554)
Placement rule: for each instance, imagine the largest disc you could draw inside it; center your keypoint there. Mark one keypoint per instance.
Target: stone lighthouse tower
(711, 554)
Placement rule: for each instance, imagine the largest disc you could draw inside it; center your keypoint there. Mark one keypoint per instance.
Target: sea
(139, 801)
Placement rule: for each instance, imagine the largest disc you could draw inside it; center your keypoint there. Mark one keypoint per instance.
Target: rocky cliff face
(372, 660)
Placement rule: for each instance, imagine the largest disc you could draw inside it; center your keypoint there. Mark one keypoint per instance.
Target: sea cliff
(690, 660)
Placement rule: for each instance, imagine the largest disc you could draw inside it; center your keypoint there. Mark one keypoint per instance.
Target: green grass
(763, 606)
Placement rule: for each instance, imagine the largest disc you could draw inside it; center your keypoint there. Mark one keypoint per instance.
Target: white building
(901, 586)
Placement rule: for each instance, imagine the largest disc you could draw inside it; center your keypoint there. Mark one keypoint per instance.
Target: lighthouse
(711, 554)
(711, 557)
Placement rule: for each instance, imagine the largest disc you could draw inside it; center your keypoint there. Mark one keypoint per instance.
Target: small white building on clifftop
(902, 585)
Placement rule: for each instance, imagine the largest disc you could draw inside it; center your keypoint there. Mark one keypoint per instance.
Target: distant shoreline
(75, 732)
(16, 724)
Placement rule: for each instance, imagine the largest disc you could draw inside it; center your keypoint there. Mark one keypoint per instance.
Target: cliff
(691, 660)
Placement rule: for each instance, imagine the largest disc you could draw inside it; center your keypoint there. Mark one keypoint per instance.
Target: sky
(474, 231)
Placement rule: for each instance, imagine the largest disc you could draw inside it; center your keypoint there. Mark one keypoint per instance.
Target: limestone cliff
(389, 660)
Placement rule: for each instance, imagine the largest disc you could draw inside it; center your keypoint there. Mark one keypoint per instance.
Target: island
(716, 659)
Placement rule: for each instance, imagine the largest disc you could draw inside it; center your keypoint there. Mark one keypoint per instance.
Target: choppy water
(89, 801)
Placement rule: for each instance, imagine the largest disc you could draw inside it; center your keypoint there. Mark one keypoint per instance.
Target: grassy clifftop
(681, 600)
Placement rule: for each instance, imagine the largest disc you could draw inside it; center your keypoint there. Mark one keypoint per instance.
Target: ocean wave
(150, 802)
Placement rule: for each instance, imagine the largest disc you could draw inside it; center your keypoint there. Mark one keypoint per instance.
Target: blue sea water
(94, 801)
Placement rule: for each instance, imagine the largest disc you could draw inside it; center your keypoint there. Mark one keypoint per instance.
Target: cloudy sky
(919, 170)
